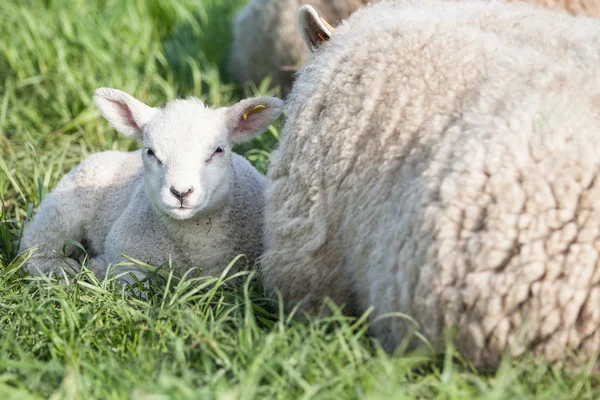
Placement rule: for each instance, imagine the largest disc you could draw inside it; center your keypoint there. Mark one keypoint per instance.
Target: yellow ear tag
(331, 28)
(252, 111)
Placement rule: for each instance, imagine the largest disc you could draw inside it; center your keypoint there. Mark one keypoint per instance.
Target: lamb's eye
(151, 153)
(218, 151)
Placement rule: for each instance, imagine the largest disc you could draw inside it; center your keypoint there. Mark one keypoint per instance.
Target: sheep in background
(435, 166)
(589, 8)
(185, 196)
(266, 41)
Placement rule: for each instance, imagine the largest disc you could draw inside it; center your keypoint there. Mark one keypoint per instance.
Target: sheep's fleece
(589, 8)
(440, 159)
(266, 39)
(126, 203)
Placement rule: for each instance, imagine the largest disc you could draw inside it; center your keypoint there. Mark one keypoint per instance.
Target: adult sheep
(437, 163)
(185, 197)
(266, 42)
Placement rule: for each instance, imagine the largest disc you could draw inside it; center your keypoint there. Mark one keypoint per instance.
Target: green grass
(203, 338)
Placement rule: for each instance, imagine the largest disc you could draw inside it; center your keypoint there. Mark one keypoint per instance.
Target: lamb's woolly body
(85, 206)
(103, 203)
(266, 37)
(440, 160)
(109, 204)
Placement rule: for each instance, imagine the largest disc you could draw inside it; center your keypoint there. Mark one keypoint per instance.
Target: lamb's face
(187, 159)
(187, 146)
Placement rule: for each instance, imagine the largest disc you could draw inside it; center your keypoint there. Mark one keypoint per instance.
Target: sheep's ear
(251, 117)
(313, 29)
(124, 112)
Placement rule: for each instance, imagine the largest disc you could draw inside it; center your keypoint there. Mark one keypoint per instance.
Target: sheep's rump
(440, 159)
(266, 40)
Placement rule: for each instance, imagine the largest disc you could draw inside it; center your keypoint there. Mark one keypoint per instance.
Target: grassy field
(197, 339)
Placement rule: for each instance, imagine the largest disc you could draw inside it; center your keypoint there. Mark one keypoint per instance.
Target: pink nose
(181, 195)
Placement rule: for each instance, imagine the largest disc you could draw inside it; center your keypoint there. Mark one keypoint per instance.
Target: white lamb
(266, 42)
(185, 196)
(437, 163)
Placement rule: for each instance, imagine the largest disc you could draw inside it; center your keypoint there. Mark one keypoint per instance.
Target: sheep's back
(589, 8)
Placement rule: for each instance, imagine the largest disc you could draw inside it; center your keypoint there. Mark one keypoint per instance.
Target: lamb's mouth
(185, 209)
(181, 208)
(181, 213)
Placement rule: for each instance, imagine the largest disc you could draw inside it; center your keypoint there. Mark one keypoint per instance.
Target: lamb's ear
(124, 112)
(313, 29)
(251, 117)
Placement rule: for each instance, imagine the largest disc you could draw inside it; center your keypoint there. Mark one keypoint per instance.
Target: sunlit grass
(206, 337)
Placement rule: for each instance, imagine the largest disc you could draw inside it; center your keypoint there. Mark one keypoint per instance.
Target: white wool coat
(440, 159)
(590, 8)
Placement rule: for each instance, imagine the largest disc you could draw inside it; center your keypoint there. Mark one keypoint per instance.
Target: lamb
(436, 163)
(185, 197)
(265, 40)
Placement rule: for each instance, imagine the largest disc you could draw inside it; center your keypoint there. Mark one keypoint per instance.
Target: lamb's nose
(181, 195)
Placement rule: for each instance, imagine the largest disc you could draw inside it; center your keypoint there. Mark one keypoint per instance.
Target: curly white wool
(440, 159)
(590, 8)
